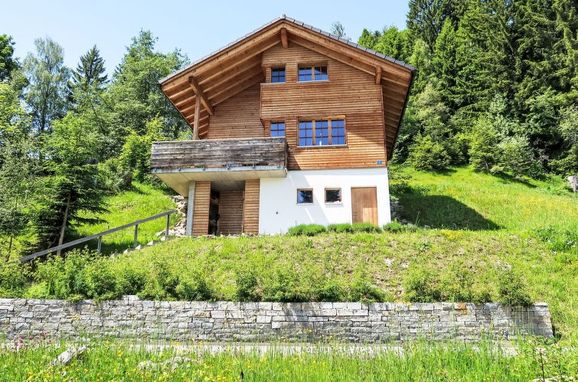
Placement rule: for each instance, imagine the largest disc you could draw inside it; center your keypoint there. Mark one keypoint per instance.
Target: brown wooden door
(364, 205)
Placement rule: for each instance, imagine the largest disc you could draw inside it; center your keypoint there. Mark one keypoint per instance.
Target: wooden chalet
(290, 125)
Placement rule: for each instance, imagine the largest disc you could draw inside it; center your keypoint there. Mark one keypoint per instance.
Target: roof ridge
(297, 22)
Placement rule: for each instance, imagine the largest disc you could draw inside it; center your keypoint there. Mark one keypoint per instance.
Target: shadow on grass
(507, 178)
(441, 211)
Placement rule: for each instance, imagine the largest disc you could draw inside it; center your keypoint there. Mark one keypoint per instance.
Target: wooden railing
(207, 154)
(100, 235)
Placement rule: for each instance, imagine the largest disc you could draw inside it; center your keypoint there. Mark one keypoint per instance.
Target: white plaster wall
(278, 210)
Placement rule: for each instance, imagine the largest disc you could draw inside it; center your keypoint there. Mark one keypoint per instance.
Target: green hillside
(475, 237)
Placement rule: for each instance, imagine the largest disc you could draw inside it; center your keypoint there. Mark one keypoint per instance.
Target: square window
(277, 129)
(304, 196)
(278, 75)
(333, 195)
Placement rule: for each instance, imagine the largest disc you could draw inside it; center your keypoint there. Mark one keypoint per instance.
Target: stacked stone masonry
(266, 321)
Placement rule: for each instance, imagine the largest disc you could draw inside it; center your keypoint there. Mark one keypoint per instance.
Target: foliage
(47, 78)
(306, 230)
(512, 290)
(397, 226)
(7, 62)
(429, 155)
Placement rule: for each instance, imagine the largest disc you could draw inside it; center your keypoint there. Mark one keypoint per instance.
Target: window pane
(321, 133)
(305, 133)
(321, 73)
(333, 195)
(278, 75)
(304, 196)
(277, 129)
(338, 132)
(305, 74)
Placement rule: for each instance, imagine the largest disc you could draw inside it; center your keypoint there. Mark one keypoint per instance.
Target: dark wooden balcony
(178, 162)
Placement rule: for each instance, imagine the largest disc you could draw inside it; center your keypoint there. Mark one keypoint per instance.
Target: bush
(332, 291)
(247, 286)
(429, 155)
(396, 226)
(512, 290)
(194, 290)
(131, 282)
(13, 279)
(365, 227)
(421, 285)
(363, 290)
(307, 230)
(340, 228)
(65, 277)
(101, 283)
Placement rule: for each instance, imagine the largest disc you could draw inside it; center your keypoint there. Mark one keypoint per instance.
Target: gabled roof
(237, 67)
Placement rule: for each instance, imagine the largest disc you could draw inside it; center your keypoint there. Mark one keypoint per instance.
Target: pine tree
(90, 71)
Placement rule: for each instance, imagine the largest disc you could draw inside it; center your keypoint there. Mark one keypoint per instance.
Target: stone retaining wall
(266, 321)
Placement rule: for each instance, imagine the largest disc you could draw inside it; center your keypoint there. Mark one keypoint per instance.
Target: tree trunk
(64, 223)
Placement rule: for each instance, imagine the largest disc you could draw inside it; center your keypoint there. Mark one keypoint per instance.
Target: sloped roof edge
(298, 23)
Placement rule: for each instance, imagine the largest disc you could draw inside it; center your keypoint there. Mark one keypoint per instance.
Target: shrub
(64, 277)
(363, 290)
(340, 228)
(247, 286)
(13, 279)
(101, 283)
(429, 155)
(421, 285)
(307, 230)
(512, 290)
(286, 286)
(131, 281)
(332, 291)
(196, 289)
(396, 226)
(365, 227)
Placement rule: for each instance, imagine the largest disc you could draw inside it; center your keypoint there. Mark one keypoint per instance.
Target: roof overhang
(237, 66)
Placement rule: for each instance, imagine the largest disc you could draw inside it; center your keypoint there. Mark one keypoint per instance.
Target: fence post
(135, 236)
(167, 226)
(99, 244)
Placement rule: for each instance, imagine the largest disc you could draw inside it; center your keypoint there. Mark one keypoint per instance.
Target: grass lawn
(140, 202)
(411, 362)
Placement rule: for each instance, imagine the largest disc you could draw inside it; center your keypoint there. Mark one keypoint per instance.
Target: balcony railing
(212, 155)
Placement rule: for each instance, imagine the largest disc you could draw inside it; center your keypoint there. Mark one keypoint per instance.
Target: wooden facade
(230, 101)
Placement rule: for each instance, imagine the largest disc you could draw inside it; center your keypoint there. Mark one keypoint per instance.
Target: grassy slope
(473, 223)
(140, 202)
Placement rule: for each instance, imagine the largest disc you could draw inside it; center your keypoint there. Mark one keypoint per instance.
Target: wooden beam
(201, 95)
(197, 118)
(378, 75)
(284, 39)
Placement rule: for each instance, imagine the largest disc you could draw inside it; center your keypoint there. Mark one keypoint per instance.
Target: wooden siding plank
(201, 208)
(251, 207)
(238, 117)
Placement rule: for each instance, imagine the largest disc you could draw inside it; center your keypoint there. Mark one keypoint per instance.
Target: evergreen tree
(444, 65)
(90, 72)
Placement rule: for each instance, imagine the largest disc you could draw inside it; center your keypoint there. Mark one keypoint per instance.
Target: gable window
(313, 73)
(333, 195)
(277, 129)
(278, 74)
(304, 196)
(322, 132)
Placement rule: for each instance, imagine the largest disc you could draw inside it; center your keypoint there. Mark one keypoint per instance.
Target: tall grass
(411, 362)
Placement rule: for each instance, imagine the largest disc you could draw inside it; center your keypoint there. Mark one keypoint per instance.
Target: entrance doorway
(364, 205)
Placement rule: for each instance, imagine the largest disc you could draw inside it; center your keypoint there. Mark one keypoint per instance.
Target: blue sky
(196, 27)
